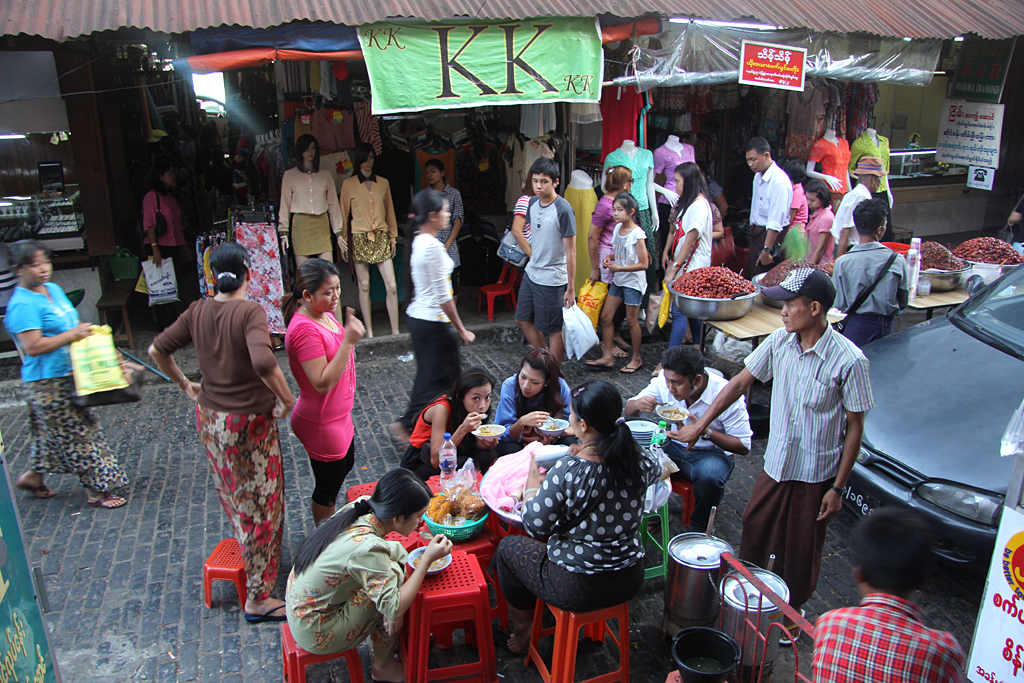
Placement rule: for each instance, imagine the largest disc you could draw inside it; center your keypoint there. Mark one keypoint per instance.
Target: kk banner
(472, 63)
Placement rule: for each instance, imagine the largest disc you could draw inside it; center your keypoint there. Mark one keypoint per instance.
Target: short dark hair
(361, 153)
(892, 549)
(436, 163)
(545, 166)
(683, 360)
(821, 189)
(794, 168)
(759, 145)
(23, 253)
(869, 216)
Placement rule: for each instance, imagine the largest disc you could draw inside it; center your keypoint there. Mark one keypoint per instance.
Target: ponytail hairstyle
(468, 379)
(693, 185)
(630, 204)
(309, 278)
(542, 361)
(423, 204)
(399, 493)
(230, 264)
(599, 404)
(615, 179)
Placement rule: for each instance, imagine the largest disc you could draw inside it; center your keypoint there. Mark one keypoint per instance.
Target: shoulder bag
(863, 296)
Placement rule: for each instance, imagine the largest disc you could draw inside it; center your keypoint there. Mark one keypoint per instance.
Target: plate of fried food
(436, 567)
(489, 431)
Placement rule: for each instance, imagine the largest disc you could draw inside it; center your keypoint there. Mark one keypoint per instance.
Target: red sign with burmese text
(772, 66)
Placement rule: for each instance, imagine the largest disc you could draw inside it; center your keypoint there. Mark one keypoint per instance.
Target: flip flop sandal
(40, 490)
(108, 502)
(266, 616)
(597, 367)
(629, 371)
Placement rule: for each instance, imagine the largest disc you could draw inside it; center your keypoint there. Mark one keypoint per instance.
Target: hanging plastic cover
(703, 54)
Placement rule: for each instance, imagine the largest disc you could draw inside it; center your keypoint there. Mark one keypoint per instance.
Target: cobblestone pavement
(126, 584)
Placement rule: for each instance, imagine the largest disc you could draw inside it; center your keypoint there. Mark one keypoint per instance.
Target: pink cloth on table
(505, 476)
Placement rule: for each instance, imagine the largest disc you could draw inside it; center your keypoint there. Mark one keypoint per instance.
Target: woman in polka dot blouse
(589, 508)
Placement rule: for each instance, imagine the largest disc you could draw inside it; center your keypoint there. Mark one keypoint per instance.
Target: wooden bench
(116, 297)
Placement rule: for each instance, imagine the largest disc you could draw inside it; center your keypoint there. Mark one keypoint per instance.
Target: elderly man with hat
(869, 174)
(820, 393)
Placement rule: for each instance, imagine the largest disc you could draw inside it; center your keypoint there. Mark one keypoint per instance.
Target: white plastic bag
(161, 282)
(1012, 442)
(726, 347)
(656, 496)
(579, 335)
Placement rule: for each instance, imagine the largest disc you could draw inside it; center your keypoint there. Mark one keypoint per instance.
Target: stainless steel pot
(700, 308)
(946, 280)
(691, 594)
(740, 602)
(757, 279)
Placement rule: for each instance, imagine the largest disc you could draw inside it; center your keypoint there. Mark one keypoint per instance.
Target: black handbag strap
(867, 292)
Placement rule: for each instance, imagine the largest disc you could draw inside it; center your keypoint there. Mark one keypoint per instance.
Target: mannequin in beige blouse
(308, 190)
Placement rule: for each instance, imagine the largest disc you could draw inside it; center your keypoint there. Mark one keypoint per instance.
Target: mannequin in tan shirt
(307, 194)
(369, 212)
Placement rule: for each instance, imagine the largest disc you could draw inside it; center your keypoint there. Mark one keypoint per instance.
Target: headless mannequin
(580, 180)
(629, 148)
(387, 274)
(835, 184)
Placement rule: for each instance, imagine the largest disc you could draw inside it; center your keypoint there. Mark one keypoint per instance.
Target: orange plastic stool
(224, 564)
(296, 659)
(685, 489)
(505, 286)
(452, 598)
(567, 635)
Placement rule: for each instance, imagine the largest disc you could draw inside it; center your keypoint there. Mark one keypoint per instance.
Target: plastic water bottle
(914, 265)
(448, 462)
(660, 434)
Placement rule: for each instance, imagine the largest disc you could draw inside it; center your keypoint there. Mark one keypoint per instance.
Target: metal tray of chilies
(700, 308)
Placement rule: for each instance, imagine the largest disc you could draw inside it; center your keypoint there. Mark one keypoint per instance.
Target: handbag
(160, 228)
(509, 250)
(863, 296)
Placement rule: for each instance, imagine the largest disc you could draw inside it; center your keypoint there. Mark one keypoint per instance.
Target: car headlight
(973, 505)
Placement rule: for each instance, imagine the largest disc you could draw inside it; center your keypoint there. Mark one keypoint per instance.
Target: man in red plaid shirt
(883, 640)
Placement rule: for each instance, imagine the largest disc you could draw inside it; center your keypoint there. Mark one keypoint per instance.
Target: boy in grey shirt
(858, 269)
(548, 282)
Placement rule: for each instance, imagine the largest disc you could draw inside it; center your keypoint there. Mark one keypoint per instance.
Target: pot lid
(698, 550)
(736, 590)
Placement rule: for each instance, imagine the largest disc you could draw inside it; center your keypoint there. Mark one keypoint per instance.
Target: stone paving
(126, 585)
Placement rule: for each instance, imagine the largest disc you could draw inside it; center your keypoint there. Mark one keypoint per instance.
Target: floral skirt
(66, 439)
(371, 247)
(245, 457)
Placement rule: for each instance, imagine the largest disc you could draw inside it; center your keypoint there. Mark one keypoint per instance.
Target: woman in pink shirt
(819, 227)
(164, 237)
(322, 359)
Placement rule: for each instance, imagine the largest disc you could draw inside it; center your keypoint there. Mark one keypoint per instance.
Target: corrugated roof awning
(64, 19)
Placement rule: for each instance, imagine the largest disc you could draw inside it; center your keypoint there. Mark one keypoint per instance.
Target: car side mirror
(974, 285)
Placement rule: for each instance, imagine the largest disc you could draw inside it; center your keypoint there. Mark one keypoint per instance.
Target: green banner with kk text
(415, 66)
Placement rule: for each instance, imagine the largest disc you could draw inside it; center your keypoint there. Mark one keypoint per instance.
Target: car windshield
(999, 311)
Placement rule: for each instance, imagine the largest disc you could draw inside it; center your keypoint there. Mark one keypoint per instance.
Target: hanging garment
(265, 286)
(334, 128)
(620, 107)
(369, 130)
(806, 121)
(583, 203)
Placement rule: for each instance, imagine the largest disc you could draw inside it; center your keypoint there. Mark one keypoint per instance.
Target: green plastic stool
(645, 536)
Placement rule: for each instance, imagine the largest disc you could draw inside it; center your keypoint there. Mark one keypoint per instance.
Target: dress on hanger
(834, 159)
(620, 107)
(583, 203)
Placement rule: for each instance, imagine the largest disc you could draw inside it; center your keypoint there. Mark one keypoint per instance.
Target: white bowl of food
(553, 427)
(489, 431)
(671, 413)
(436, 567)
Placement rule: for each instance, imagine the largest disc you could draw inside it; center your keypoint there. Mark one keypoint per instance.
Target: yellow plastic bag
(591, 299)
(95, 364)
(140, 286)
(666, 306)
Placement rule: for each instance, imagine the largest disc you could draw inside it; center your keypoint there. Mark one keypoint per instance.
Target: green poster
(981, 70)
(457, 64)
(25, 654)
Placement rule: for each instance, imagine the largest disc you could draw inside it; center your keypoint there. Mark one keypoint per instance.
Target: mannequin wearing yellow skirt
(310, 211)
(581, 196)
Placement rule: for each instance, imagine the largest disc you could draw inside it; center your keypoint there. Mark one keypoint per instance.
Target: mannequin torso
(641, 162)
(834, 155)
(580, 180)
(871, 144)
(666, 158)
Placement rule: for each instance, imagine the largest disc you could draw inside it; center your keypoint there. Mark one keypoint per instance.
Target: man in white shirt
(769, 207)
(685, 384)
(869, 174)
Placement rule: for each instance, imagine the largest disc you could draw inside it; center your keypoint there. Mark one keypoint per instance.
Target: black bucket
(704, 655)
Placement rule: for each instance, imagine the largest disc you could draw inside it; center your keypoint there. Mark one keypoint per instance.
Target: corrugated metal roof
(65, 19)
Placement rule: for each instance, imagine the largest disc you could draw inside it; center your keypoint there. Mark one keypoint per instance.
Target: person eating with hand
(684, 383)
(460, 412)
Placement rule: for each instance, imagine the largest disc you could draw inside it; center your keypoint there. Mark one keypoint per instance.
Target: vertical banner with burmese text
(415, 66)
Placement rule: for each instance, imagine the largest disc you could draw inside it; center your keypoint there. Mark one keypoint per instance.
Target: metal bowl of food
(1003, 269)
(760, 292)
(700, 308)
(946, 280)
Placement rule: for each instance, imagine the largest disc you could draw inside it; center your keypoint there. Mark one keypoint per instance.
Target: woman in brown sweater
(242, 394)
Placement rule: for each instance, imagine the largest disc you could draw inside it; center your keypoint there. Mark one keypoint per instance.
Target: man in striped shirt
(820, 392)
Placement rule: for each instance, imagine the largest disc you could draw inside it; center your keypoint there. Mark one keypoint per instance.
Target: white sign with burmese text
(969, 133)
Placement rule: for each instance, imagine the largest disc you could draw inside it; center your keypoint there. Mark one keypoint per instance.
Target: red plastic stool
(567, 635)
(356, 492)
(224, 564)
(454, 597)
(483, 546)
(685, 489)
(296, 659)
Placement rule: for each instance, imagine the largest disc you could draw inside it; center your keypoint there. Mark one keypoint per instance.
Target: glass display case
(56, 221)
(921, 163)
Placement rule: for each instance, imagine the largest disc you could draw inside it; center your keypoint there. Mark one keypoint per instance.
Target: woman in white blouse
(309, 204)
(690, 246)
(432, 309)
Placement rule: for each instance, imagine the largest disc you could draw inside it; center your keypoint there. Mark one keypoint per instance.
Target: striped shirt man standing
(820, 393)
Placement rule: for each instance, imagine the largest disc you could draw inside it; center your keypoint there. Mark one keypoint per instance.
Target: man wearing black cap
(820, 392)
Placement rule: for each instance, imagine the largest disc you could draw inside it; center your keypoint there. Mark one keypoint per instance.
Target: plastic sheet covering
(702, 54)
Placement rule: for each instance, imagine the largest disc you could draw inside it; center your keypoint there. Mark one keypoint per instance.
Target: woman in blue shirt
(529, 399)
(65, 439)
